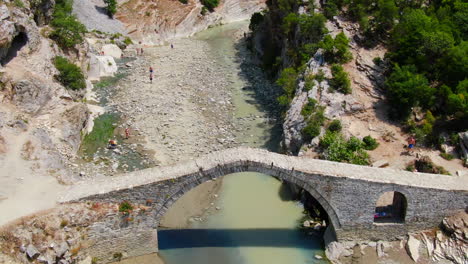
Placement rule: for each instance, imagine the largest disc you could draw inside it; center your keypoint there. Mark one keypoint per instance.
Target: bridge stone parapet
(348, 193)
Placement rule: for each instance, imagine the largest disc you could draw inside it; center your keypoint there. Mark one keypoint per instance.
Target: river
(254, 220)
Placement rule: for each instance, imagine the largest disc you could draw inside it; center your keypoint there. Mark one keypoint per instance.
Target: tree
(111, 7)
(340, 80)
(406, 89)
(255, 20)
(287, 81)
(68, 31)
(336, 50)
(210, 4)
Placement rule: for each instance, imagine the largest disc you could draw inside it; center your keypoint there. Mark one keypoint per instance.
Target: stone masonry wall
(348, 193)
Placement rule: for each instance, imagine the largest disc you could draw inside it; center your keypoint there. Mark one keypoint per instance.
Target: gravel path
(92, 14)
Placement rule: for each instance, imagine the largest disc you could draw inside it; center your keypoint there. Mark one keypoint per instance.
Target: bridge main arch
(270, 170)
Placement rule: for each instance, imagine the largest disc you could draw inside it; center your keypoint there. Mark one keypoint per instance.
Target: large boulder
(31, 96)
(101, 66)
(412, 247)
(112, 50)
(74, 120)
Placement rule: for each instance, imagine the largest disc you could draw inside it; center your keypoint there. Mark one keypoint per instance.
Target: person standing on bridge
(411, 143)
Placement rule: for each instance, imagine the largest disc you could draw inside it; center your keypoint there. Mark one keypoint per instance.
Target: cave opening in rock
(16, 45)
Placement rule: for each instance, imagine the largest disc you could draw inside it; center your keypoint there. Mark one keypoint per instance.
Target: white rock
(112, 50)
(318, 257)
(100, 66)
(32, 252)
(412, 247)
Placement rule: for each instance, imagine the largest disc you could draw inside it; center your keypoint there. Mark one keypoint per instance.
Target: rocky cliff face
(36, 111)
(156, 21)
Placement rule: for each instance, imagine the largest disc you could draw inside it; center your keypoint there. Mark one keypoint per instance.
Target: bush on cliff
(111, 7)
(340, 80)
(210, 4)
(314, 119)
(69, 75)
(336, 50)
(68, 31)
(287, 81)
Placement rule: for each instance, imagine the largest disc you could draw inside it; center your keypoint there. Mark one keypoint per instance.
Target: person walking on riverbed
(151, 74)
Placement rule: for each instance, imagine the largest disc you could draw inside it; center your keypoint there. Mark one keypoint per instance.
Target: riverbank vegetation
(103, 130)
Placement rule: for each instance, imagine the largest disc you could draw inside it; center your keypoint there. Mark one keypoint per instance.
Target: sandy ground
(23, 190)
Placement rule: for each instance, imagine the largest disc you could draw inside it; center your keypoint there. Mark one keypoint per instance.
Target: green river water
(257, 223)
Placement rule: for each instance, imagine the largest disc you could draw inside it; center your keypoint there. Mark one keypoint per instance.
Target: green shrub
(70, 75)
(19, 3)
(128, 41)
(287, 81)
(309, 82)
(204, 10)
(68, 31)
(308, 108)
(335, 126)
(94, 260)
(336, 148)
(425, 164)
(184, 1)
(370, 143)
(328, 139)
(210, 4)
(354, 144)
(314, 122)
(111, 7)
(336, 50)
(447, 156)
(103, 130)
(340, 80)
(125, 207)
(406, 89)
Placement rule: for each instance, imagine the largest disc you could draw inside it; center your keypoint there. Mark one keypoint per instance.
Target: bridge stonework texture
(348, 193)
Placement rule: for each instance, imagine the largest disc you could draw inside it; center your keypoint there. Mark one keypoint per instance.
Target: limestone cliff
(36, 111)
(156, 21)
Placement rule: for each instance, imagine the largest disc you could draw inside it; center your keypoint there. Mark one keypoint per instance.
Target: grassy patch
(103, 130)
(446, 156)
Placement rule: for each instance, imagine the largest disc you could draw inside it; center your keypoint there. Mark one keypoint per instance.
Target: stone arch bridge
(348, 193)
